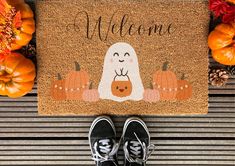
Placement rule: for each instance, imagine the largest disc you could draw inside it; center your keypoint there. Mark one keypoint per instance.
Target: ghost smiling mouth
(121, 61)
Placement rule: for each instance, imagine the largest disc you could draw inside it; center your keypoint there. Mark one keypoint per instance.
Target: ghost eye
(126, 54)
(115, 54)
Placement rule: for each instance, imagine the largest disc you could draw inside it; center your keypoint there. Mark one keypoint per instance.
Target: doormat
(145, 57)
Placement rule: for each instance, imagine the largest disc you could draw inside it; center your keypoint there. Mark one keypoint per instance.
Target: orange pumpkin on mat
(184, 91)
(17, 24)
(58, 89)
(90, 95)
(165, 82)
(222, 43)
(17, 75)
(76, 82)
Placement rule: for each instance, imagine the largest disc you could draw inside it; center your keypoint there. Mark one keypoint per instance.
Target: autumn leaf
(230, 15)
(218, 7)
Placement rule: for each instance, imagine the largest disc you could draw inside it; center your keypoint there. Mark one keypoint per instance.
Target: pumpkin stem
(91, 84)
(165, 66)
(77, 66)
(59, 76)
(183, 77)
(151, 86)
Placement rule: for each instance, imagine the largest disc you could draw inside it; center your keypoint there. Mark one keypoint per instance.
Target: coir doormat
(145, 57)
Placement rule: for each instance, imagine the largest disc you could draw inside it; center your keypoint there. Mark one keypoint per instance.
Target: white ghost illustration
(121, 80)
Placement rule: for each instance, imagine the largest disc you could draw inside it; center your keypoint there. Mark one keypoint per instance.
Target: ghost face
(121, 79)
(122, 56)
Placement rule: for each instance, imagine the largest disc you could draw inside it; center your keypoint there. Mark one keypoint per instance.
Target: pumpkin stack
(17, 26)
(76, 86)
(166, 85)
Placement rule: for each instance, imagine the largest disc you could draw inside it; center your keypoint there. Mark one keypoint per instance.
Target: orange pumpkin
(76, 82)
(184, 89)
(222, 43)
(17, 75)
(90, 95)
(165, 82)
(17, 24)
(151, 95)
(231, 1)
(58, 89)
(121, 85)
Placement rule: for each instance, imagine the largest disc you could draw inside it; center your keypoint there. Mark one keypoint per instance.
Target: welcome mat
(145, 57)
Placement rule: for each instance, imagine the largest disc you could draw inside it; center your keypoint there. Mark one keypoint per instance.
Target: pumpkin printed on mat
(76, 83)
(165, 82)
(90, 95)
(58, 89)
(151, 95)
(184, 89)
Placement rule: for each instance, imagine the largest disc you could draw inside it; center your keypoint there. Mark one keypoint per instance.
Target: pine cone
(218, 77)
(29, 50)
(231, 70)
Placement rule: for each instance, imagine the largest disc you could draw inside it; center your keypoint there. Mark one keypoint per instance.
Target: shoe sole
(135, 119)
(96, 121)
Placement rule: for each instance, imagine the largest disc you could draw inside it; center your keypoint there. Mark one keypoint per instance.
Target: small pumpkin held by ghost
(151, 95)
(77, 81)
(90, 95)
(165, 82)
(58, 89)
(184, 89)
(121, 85)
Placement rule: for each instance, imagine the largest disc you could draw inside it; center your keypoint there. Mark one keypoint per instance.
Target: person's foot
(102, 142)
(136, 142)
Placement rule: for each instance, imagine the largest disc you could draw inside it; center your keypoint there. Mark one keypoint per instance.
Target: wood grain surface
(27, 139)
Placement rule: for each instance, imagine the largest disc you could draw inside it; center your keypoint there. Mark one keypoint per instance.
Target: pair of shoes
(135, 137)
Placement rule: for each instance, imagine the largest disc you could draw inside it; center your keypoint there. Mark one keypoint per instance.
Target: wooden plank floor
(27, 139)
